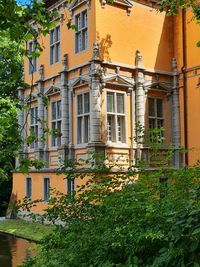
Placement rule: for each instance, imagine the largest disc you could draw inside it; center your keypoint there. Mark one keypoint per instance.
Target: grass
(28, 230)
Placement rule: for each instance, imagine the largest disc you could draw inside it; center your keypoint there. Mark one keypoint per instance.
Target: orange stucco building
(126, 64)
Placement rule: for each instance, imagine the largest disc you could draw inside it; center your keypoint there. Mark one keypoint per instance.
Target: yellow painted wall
(145, 29)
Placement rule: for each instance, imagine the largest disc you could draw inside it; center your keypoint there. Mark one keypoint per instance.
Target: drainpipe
(183, 70)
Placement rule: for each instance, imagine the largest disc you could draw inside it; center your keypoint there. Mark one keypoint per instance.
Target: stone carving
(138, 60)
(65, 62)
(41, 72)
(96, 52)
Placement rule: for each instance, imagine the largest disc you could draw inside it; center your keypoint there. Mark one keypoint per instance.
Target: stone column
(95, 142)
(40, 94)
(64, 109)
(176, 133)
(139, 101)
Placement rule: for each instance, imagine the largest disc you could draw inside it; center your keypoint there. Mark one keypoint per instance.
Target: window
(116, 117)
(70, 186)
(55, 45)
(29, 187)
(83, 118)
(34, 127)
(81, 35)
(156, 115)
(46, 189)
(56, 123)
(32, 65)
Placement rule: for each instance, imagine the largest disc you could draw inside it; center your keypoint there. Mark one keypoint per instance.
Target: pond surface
(13, 250)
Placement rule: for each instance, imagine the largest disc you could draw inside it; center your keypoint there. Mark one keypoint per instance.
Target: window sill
(84, 145)
(117, 145)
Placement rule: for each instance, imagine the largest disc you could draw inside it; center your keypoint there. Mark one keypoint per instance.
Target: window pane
(110, 102)
(152, 123)
(58, 110)
(151, 107)
(84, 19)
(86, 103)
(32, 116)
(57, 34)
(79, 130)
(59, 131)
(120, 128)
(53, 137)
(28, 187)
(120, 103)
(78, 22)
(159, 108)
(36, 135)
(80, 104)
(86, 129)
(84, 39)
(51, 36)
(53, 110)
(52, 55)
(111, 128)
(46, 189)
(57, 52)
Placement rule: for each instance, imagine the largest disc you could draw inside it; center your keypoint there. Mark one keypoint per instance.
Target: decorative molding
(52, 90)
(76, 3)
(118, 80)
(157, 85)
(122, 3)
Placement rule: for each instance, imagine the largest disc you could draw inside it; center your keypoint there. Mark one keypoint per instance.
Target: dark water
(13, 250)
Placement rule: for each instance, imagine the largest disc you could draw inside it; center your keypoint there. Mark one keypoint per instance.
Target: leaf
(194, 245)
(196, 231)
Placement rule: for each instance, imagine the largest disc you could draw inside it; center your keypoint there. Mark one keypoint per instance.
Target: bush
(119, 221)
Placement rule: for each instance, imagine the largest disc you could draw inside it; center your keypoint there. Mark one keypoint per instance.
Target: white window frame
(32, 61)
(54, 49)
(34, 126)
(116, 115)
(82, 117)
(56, 140)
(80, 43)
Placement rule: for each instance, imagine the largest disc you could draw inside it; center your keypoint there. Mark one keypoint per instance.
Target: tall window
(156, 114)
(29, 187)
(83, 118)
(70, 186)
(56, 123)
(46, 188)
(32, 65)
(34, 127)
(116, 117)
(55, 45)
(81, 35)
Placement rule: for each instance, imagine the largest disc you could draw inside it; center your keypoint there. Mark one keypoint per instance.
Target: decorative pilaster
(40, 94)
(176, 133)
(139, 93)
(96, 85)
(64, 109)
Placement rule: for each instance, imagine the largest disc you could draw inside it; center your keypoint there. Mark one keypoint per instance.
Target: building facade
(125, 65)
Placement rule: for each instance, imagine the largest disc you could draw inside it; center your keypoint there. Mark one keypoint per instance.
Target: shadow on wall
(105, 44)
(165, 51)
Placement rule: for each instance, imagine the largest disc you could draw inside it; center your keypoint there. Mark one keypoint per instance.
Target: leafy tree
(9, 143)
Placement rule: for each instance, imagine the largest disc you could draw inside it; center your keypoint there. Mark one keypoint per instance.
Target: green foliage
(117, 220)
(9, 137)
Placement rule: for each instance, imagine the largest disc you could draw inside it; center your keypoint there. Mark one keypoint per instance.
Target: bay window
(116, 126)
